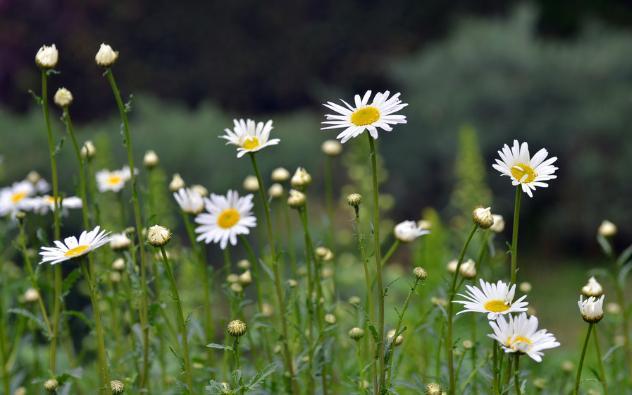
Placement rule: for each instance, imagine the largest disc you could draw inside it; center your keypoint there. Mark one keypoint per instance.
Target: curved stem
(278, 286)
(144, 308)
(602, 371)
(514, 237)
(581, 359)
(181, 322)
(390, 252)
(453, 288)
(378, 269)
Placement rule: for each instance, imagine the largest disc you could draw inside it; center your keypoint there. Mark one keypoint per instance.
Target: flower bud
(468, 269)
(275, 191)
(591, 309)
(354, 300)
(236, 328)
(47, 56)
(245, 278)
(301, 178)
(420, 273)
(592, 288)
(236, 288)
(398, 340)
(176, 183)
(280, 174)
(200, 190)
(451, 266)
(613, 308)
(525, 287)
(232, 278)
(151, 160)
(51, 385)
(607, 229)
(292, 283)
(296, 199)
(31, 295)
(63, 97)
(568, 366)
(433, 389)
(117, 387)
(243, 264)
(354, 199)
(468, 344)
(499, 223)
(267, 310)
(158, 235)
(20, 391)
(120, 241)
(331, 147)
(106, 56)
(324, 253)
(88, 150)
(483, 217)
(356, 333)
(115, 277)
(251, 184)
(539, 383)
(118, 264)
(330, 319)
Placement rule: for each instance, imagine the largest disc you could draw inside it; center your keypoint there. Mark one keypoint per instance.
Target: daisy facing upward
(520, 334)
(249, 136)
(226, 218)
(493, 299)
(72, 247)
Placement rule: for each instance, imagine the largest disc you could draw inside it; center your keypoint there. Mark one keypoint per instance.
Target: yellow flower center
(250, 143)
(523, 173)
(74, 252)
(496, 306)
(365, 116)
(519, 343)
(228, 218)
(16, 197)
(114, 179)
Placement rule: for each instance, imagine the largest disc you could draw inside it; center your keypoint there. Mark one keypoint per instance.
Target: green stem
(144, 381)
(236, 364)
(83, 190)
(514, 238)
(602, 371)
(453, 289)
(517, 373)
(227, 261)
(380, 388)
(255, 270)
(495, 368)
(329, 198)
(390, 251)
(6, 379)
(57, 302)
(102, 358)
(188, 373)
(278, 286)
(581, 359)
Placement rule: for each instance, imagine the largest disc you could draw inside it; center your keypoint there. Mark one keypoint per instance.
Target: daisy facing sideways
(15, 197)
(46, 203)
(249, 136)
(73, 248)
(190, 201)
(226, 218)
(365, 115)
(113, 180)
(493, 299)
(520, 334)
(524, 170)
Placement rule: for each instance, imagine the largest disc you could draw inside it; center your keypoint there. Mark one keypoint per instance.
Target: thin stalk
(581, 359)
(517, 373)
(182, 327)
(6, 379)
(329, 198)
(378, 270)
(236, 364)
(495, 368)
(278, 286)
(255, 270)
(390, 251)
(514, 237)
(57, 302)
(104, 387)
(144, 380)
(602, 371)
(624, 323)
(83, 189)
(227, 261)
(453, 289)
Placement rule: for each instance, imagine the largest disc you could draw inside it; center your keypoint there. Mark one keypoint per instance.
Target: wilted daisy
(408, 231)
(73, 248)
(524, 170)
(367, 114)
(190, 201)
(493, 299)
(113, 180)
(15, 197)
(249, 136)
(521, 334)
(46, 203)
(228, 216)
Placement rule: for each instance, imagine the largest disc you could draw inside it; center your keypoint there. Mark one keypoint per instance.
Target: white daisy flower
(113, 180)
(15, 197)
(591, 309)
(228, 216)
(73, 248)
(365, 115)
(120, 241)
(249, 136)
(524, 170)
(408, 231)
(189, 200)
(46, 203)
(493, 299)
(521, 334)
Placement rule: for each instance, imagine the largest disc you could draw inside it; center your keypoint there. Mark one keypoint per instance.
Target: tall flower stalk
(514, 237)
(107, 60)
(581, 359)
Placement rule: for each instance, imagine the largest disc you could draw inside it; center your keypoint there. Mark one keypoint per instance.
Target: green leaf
(623, 274)
(219, 346)
(81, 316)
(69, 281)
(32, 317)
(605, 245)
(625, 256)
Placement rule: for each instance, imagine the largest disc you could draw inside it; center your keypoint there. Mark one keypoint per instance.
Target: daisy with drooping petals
(15, 197)
(365, 115)
(228, 216)
(493, 299)
(189, 200)
(524, 170)
(249, 136)
(113, 180)
(46, 203)
(520, 334)
(73, 248)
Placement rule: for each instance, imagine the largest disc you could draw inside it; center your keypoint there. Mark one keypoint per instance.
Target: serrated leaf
(81, 316)
(69, 281)
(27, 314)
(260, 376)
